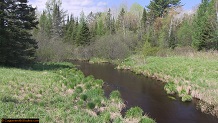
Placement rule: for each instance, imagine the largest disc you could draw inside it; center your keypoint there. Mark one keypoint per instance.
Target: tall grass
(55, 92)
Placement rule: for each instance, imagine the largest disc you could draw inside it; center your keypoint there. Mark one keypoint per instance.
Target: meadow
(58, 92)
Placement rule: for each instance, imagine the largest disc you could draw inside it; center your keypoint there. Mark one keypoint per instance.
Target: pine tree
(144, 19)
(204, 32)
(121, 21)
(113, 30)
(108, 21)
(84, 36)
(158, 8)
(18, 47)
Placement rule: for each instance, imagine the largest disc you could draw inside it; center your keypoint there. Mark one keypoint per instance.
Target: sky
(76, 6)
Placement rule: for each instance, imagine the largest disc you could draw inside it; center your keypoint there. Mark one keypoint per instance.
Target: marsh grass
(55, 92)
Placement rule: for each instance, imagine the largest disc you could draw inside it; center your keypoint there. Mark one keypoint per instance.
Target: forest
(160, 41)
(55, 35)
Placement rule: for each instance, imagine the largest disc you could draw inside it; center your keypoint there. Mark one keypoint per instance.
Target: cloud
(74, 6)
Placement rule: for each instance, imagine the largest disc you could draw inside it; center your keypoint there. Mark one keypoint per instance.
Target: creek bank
(59, 92)
(187, 77)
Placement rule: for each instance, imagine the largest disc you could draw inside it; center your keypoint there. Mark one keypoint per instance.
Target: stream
(146, 93)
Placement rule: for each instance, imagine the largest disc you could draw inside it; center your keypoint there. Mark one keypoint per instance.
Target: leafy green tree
(17, 19)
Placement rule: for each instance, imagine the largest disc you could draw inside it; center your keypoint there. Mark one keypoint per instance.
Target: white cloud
(101, 3)
(74, 6)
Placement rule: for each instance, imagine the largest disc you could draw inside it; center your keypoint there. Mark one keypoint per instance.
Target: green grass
(56, 92)
(197, 77)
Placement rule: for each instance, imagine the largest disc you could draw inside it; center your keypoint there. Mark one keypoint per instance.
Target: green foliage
(83, 35)
(184, 33)
(106, 117)
(39, 92)
(144, 18)
(91, 105)
(158, 8)
(17, 19)
(187, 98)
(204, 26)
(115, 95)
(148, 50)
(170, 87)
(146, 120)
(83, 97)
(134, 112)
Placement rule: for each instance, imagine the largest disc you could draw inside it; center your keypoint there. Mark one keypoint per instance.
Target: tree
(17, 19)
(108, 21)
(54, 19)
(158, 8)
(69, 29)
(144, 19)
(121, 21)
(204, 26)
(83, 35)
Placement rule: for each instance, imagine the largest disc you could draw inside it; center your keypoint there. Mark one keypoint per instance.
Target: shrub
(148, 50)
(134, 112)
(52, 50)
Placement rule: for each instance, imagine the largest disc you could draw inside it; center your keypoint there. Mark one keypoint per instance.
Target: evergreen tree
(204, 33)
(113, 30)
(84, 36)
(144, 19)
(69, 29)
(157, 8)
(120, 19)
(108, 21)
(17, 46)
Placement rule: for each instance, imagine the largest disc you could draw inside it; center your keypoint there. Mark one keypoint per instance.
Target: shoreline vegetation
(58, 92)
(188, 76)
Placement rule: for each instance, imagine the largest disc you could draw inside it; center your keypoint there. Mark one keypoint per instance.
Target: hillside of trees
(111, 34)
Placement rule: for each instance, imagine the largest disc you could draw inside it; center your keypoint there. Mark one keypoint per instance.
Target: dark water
(137, 90)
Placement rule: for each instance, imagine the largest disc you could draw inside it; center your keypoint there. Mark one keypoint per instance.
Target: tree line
(158, 25)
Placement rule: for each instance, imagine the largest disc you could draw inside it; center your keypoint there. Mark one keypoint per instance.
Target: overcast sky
(76, 6)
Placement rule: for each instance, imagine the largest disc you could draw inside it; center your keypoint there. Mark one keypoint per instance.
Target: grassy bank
(188, 77)
(60, 93)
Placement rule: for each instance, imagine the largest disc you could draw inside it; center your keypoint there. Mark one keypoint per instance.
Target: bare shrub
(115, 46)
(52, 49)
(82, 52)
(188, 52)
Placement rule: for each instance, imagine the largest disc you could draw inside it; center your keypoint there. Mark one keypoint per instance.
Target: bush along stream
(187, 77)
(58, 92)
